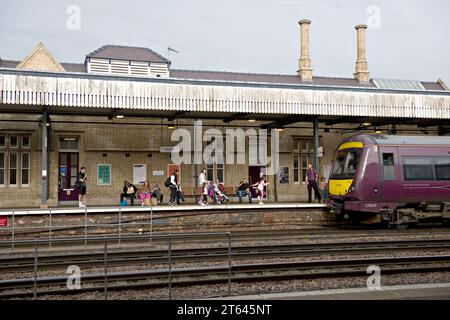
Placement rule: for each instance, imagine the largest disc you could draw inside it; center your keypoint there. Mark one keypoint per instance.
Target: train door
(390, 175)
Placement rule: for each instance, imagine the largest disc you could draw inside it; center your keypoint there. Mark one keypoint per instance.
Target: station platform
(161, 208)
(433, 291)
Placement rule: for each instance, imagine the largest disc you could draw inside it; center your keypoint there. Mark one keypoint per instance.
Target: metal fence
(50, 229)
(106, 240)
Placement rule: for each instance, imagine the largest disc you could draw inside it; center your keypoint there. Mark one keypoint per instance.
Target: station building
(115, 114)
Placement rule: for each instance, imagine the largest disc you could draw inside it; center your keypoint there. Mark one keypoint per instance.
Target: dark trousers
(180, 196)
(313, 185)
(173, 194)
(131, 196)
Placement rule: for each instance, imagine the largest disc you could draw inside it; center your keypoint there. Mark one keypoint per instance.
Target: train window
(418, 168)
(442, 168)
(345, 165)
(388, 166)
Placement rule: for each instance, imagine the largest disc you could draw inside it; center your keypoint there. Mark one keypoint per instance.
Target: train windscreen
(345, 164)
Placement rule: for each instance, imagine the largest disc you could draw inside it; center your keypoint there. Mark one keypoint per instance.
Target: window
(388, 166)
(15, 160)
(220, 172)
(2, 169)
(418, 168)
(345, 164)
(25, 169)
(25, 142)
(442, 168)
(13, 141)
(68, 144)
(303, 153)
(13, 169)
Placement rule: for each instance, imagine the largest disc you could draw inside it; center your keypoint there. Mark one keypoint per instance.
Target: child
(260, 189)
(205, 194)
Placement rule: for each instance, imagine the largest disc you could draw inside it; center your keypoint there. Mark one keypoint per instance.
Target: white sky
(259, 36)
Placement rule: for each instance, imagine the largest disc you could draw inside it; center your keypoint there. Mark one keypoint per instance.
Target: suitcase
(153, 201)
(146, 202)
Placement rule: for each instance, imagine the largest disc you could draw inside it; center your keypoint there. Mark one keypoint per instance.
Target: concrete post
(316, 145)
(44, 162)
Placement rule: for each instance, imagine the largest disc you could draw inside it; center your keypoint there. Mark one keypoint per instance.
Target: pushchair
(219, 194)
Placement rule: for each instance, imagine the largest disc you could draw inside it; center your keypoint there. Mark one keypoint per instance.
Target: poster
(103, 174)
(139, 173)
(284, 175)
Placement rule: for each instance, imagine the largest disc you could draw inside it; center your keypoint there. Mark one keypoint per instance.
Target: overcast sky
(406, 39)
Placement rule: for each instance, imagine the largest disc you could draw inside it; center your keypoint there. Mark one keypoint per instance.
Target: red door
(67, 175)
(254, 175)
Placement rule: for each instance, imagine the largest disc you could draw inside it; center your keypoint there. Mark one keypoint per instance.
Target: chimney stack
(304, 63)
(361, 70)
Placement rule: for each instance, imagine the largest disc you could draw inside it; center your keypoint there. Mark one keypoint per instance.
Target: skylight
(398, 84)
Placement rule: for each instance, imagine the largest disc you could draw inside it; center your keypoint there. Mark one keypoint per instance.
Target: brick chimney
(304, 63)
(361, 71)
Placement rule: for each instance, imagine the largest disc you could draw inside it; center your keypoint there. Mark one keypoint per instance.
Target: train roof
(409, 140)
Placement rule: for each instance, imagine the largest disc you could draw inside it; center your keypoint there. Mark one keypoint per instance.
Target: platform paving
(160, 208)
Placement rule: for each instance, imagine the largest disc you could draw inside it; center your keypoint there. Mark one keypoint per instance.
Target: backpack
(167, 183)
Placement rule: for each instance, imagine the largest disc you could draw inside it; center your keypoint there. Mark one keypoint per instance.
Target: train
(391, 179)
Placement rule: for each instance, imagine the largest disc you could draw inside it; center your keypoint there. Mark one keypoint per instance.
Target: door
(390, 174)
(254, 174)
(67, 175)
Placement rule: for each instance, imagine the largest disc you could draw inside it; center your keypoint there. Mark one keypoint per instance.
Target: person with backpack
(172, 184)
(311, 181)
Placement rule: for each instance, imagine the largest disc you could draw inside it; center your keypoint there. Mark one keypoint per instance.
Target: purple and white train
(394, 179)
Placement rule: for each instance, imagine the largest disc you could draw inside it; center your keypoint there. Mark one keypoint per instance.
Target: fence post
(35, 269)
(50, 228)
(170, 267)
(120, 223)
(151, 224)
(105, 262)
(85, 227)
(12, 229)
(229, 264)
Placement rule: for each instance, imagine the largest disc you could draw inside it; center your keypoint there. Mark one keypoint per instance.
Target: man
(80, 184)
(242, 190)
(173, 186)
(311, 181)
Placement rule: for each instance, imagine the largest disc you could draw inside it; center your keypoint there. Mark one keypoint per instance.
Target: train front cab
(343, 172)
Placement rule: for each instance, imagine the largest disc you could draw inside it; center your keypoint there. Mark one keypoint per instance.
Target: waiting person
(311, 180)
(156, 193)
(145, 192)
(80, 185)
(129, 191)
(201, 181)
(242, 190)
(323, 188)
(173, 186)
(260, 185)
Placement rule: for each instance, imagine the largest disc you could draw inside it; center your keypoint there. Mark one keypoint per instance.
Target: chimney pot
(304, 63)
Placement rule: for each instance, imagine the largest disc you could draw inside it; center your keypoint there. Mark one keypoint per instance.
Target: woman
(156, 193)
(260, 185)
(80, 185)
(201, 182)
(129, 191)
(145, 192)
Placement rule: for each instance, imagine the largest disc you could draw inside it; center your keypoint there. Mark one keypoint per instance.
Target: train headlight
(352, 188)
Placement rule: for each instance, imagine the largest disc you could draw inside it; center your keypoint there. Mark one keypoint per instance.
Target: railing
(50, 228)
(105, 240)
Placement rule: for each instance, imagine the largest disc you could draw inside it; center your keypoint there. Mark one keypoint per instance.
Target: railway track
(49, 261)
(150, 279)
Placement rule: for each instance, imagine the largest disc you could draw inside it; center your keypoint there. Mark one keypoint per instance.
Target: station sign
(3, 221)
